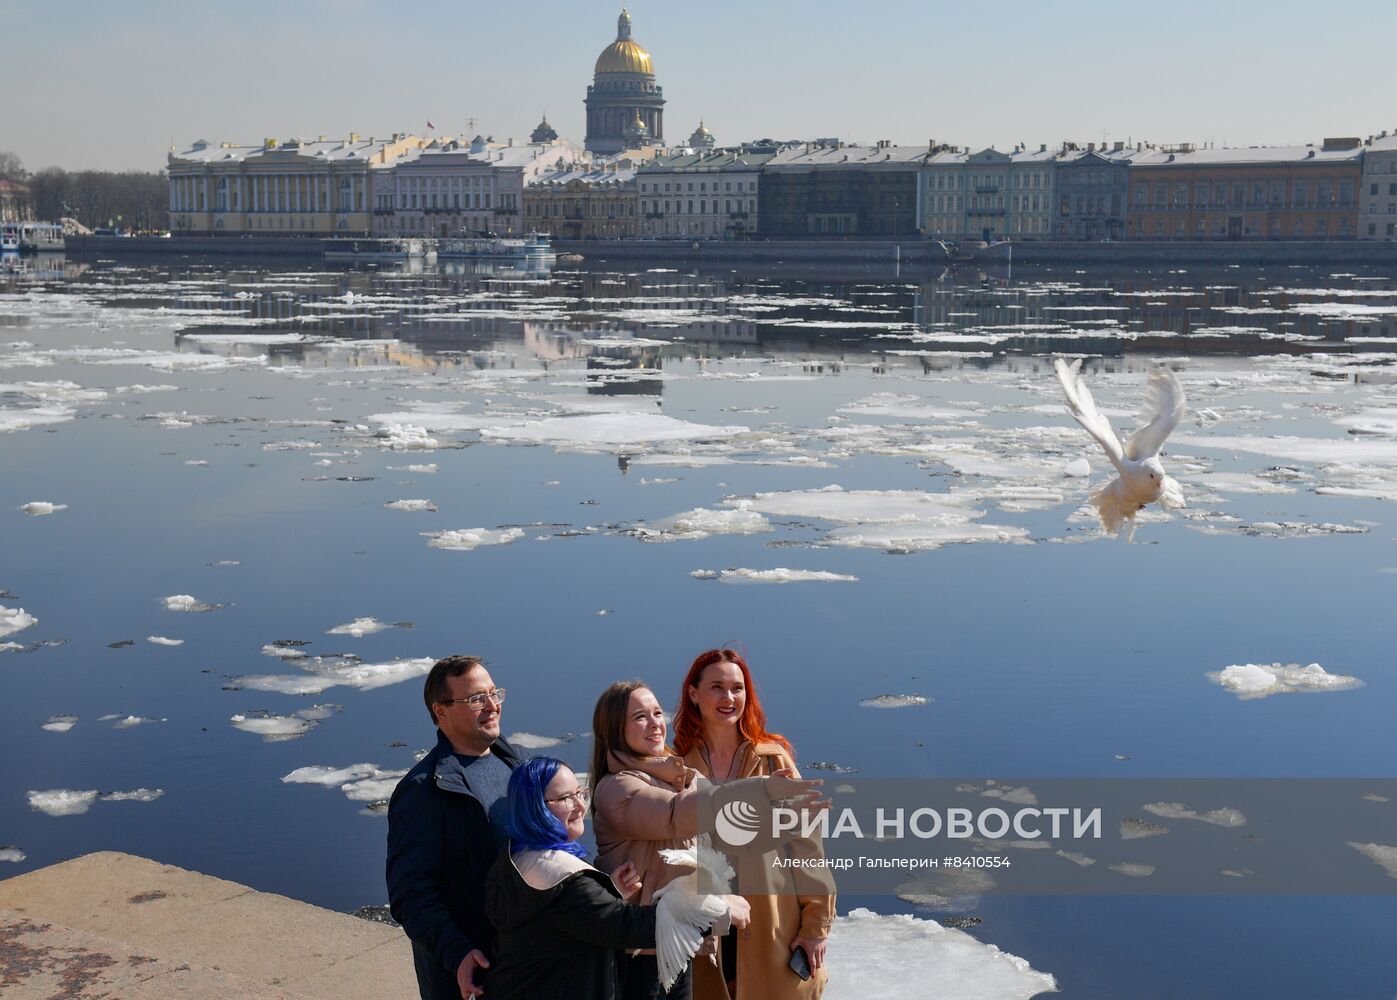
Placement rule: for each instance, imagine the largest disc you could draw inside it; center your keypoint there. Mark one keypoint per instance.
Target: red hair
(688, 724)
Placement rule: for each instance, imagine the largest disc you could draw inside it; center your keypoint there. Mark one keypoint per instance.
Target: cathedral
(625, 106)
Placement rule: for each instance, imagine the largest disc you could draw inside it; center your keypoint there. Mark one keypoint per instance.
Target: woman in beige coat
(645, 799)
(720, 728)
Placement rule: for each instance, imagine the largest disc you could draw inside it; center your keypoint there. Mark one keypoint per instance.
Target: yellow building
(297, 187)
(583, 201)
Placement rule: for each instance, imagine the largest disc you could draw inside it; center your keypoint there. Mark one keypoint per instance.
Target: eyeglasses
(577, 798)
(477, 701)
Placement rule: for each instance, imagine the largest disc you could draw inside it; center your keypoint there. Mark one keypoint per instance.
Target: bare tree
(11, 167)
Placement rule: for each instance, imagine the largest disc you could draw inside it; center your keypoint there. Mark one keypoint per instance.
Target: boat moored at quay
(31, 237)
(387, 248)
(533, 247)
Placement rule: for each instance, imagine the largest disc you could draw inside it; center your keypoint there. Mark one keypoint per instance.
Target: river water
(213, 472)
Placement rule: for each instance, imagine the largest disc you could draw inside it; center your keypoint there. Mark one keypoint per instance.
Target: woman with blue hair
(561, 925)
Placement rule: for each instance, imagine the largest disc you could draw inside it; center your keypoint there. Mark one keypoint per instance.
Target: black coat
(440, 850)
(563, 942)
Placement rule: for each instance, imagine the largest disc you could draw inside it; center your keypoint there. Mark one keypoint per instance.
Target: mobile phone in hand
(800, 962)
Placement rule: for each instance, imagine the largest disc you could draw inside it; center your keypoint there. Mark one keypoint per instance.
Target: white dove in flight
(1142, 479)
(683, 912)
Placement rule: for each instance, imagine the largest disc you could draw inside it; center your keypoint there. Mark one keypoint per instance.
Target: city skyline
(115, 87)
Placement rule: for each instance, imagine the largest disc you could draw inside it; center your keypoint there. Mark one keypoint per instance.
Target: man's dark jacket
(440, 849)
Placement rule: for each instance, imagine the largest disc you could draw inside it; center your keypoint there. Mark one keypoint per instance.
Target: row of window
(727, 205)
(728, 187)
(1020, 179)
(1253, 225)
(1240, 194)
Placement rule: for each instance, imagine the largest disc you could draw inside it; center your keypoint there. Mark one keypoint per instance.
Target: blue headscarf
(529, 822)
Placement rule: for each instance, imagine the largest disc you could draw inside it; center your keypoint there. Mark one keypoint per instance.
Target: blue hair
(529, 822)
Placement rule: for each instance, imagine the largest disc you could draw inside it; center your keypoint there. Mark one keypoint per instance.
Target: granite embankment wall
(758, 252)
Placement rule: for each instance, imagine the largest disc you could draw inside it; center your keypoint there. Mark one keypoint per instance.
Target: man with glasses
(445, 826)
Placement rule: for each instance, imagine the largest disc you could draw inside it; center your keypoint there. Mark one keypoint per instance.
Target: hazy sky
(93, 83)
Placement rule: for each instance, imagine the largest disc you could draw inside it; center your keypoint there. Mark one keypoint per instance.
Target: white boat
(389, 248)
(31, 237)
(532, 247)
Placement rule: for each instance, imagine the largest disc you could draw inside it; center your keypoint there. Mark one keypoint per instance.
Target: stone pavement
(114, 926)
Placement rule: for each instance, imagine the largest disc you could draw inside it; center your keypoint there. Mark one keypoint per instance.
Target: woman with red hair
(720, 729)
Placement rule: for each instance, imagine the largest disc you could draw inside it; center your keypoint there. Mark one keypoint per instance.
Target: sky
(95, 84)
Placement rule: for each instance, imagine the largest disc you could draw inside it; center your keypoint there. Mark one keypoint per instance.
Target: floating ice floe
(40, 507)
(276, 728)
(322, 675)
(466, 539)
(601, 431)
(1253, 680)
(1301, 529)
(1136, 829)
(418, 469)
(876, 956)
(778, 575)
(161, 640)
(23, 418)
(413, 506)
(361, 627)
(284, 650)
(120, 721)
(1076, 858)
(532, 741)
(700, 523)
(1132, 869)
(1177, 810)
(266, 339)
(15, 620)
(184, 602)
(1351, 451)
(902, 407)
(59, 723)
(67, 802)
(1078, 468)
(1383, 854)
(924, 537)
(895, 701)
(11, 854)
(358, 782)
(405, 437)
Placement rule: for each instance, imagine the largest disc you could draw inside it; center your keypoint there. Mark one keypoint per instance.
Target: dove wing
(681, 917)
(1163, 409)
(1083, 409)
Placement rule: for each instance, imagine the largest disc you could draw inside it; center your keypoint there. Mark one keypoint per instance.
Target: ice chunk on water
(876, 956)
(1254, 680)
(605, 430)
(11, 854)
(702, 522)
(184, 602)
(135, 795)
(360, 627)
(273, 728)
(924, 537)
(161, 640)
(62, 801)
(1078, 469)
(778, 575)
(411, 505)
(532, 741)
(406, 437)
(330, 776)
(1177, 810)
(427, 469)
(1132, 869)
(834, 503)
(373, 789)
(15, 620)
(23, 418)
(895, 701)
(60, 723)
(466, 539)
(1135, 829)
(324, 674)
(41, 507)
(1383, 854)
(129, 721)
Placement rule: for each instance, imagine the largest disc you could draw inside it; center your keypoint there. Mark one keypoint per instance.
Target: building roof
(700, 161)
(834, 156)
(588, 174)
(348, 150)
(1188, 156)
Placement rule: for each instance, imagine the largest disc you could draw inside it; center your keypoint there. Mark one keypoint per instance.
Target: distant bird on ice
(1142, 479)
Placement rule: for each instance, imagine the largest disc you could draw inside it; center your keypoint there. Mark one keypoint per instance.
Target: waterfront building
(1261, 193)
(989, 194)
(624, 95)
(584, 201)
(833, 189)
(702, 139)
(16, 201)
(296, 187)
(1377, 202)
(449, 187)
(1092, 186)
(701, 195)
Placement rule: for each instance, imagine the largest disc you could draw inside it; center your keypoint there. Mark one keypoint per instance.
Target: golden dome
(624, 55)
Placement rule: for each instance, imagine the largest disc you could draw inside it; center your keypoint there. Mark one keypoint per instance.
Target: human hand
(814, 950)
(739, 911)
(800, 793)
(465, 974)
(626, 880)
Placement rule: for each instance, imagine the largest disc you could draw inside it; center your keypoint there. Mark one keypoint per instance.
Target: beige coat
(764, 947)
(645, 805)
